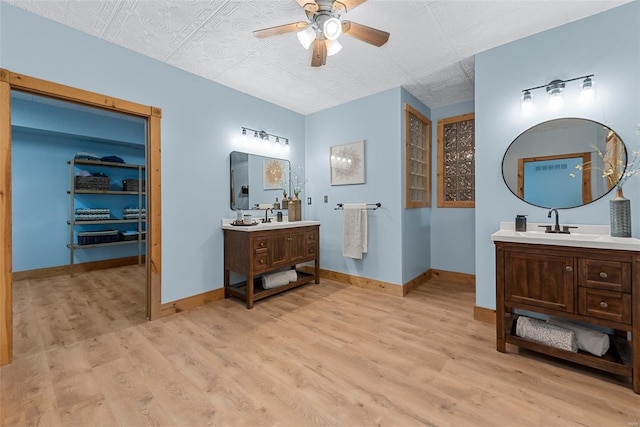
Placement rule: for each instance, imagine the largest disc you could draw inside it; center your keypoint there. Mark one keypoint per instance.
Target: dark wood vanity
(253, 251)
(590, 285)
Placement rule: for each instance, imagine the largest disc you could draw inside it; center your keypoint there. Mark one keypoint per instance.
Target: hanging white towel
(354, 238)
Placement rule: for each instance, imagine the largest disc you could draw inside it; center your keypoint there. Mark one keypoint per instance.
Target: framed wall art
(347, 163)
(273, 174)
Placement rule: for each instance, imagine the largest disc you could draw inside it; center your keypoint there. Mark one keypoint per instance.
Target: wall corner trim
(191, 302)
(485, 315)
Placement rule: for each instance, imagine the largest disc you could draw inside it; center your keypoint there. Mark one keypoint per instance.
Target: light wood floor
(327, 354)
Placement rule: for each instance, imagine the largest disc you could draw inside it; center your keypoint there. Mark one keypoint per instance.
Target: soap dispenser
(521, 223)
(276, 205)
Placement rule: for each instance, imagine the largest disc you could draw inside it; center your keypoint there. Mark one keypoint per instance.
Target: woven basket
(132, 185)
(98, 183)
(97, 237)
(127, 237)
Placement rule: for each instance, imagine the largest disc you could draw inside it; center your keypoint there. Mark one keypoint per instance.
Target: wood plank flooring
(327, 354)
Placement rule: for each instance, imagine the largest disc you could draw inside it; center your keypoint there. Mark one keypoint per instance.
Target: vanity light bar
(265, 136)
(555, 88)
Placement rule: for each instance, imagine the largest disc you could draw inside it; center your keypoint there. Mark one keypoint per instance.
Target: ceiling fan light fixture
(333, 47)
(332, 28)
(307, 36)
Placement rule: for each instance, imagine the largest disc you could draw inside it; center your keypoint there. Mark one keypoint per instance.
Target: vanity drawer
(260, 244)
(606, 275)
(311, 237)
(260, 261)
(609, 305)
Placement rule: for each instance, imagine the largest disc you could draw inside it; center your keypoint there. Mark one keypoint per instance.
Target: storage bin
(97, 183)
(92, 214)
(97, 237)
(132, 184)
(131, 235)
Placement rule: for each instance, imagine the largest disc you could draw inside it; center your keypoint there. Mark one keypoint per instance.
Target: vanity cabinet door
(540, 280)
(298, 246)
(279, 245)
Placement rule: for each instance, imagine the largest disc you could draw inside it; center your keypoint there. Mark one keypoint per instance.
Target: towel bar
(370, 206)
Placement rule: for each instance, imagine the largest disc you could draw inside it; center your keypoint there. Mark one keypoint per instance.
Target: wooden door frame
(153, 115)
(586, 177)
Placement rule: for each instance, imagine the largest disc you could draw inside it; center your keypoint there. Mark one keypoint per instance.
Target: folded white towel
(545, 333)
(280, 278)
(354, 237)
(590, 340)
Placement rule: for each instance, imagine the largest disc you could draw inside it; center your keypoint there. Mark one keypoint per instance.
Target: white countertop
(585, 236)
(273, 225)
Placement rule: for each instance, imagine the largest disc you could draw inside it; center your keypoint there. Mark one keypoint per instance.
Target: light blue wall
(376, 119)
(453, 229)
(416, 222)
(607, 45)
(200, 124)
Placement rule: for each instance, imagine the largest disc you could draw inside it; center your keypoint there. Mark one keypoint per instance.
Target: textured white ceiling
(430, 51)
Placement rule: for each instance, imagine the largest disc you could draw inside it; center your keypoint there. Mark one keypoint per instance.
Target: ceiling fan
(324, 28)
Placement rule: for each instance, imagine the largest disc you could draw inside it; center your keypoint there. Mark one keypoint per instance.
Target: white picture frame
(347, 163)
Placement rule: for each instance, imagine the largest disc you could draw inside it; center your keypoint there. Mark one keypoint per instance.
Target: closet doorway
(147, 118)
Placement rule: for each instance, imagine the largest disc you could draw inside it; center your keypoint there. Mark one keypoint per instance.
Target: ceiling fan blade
(308, 5)
(366, 34)
(346, 5)
(319, 57)
(280, 29)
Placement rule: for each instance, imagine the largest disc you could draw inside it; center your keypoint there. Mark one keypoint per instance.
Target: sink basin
(585, 236)
(559, 236)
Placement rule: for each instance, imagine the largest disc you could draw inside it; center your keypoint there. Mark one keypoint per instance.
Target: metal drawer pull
(603, 275)
(262, 262)
(603, 304)
(569, 268)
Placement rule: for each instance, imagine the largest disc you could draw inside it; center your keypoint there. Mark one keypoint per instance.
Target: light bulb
(307, 36)
(333, 47)
(555, 102)
(332, 28)
(587, 92)
(527, 102)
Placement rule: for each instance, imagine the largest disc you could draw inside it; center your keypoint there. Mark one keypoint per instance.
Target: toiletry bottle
(279, 217)
(521, 223)
(239, 216)
(276, 205)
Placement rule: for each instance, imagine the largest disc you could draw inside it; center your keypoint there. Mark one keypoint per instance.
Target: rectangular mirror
(257, 179)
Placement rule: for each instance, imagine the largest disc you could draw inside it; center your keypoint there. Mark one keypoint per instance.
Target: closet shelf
(100, 245)
(99, 236)
(113, 192)
(107, 221)
(72, 137)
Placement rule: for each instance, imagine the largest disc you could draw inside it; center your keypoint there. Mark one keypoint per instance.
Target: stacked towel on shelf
(546, 333)
(590, 340)
(279, 278)
(354, 238)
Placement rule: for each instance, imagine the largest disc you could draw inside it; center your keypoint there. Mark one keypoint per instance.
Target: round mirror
(564, 163)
